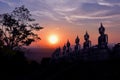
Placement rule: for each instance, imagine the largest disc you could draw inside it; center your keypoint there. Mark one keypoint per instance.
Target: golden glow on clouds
(56, 34)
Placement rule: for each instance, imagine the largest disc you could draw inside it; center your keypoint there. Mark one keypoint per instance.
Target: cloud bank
(71, 11)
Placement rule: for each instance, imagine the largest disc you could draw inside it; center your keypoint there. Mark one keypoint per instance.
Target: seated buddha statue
(103, 38)
(87, 43)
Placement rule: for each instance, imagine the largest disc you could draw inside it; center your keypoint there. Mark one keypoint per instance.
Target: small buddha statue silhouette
(69, 49)
(77, 46)
(87, 43)
(103, 38)
(56, 53)
(64, 49)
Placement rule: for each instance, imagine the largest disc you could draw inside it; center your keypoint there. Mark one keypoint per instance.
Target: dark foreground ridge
(14, 66)
(90, 63)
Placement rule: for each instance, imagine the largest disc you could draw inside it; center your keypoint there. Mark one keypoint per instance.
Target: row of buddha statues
(102, 42)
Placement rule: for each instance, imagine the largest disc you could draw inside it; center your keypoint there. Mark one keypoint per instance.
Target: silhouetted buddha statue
(87, 43)
(64, 50)
(68, 47)
(103, 38)
(56, 53)
(77, 46)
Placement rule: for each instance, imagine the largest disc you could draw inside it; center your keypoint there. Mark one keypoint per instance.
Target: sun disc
(53, 39)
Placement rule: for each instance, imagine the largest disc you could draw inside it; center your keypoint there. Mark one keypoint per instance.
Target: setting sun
(53, 39)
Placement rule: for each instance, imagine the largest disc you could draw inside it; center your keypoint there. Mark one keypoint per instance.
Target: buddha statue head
(101, 29)
(86, 36)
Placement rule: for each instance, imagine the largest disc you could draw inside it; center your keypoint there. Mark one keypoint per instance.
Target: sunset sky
(68, 18)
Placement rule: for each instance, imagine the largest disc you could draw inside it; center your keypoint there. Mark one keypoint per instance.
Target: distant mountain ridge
(38, 53)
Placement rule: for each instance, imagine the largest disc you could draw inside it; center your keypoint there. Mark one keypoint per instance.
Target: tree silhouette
(18, 28)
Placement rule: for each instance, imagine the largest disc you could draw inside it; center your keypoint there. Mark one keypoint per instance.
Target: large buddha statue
(103, 38)
(87, 43)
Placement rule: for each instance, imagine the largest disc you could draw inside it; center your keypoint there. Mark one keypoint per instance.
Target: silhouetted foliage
(18, 28)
